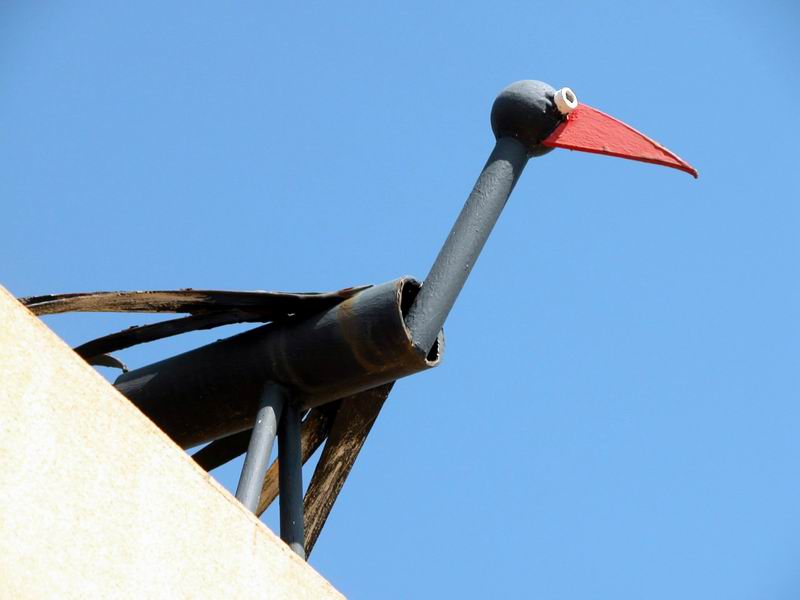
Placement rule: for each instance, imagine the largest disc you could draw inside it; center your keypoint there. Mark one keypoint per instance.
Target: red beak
(589, 130)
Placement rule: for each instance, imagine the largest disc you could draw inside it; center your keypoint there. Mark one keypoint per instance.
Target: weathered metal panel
(273, 304)
(349, 431)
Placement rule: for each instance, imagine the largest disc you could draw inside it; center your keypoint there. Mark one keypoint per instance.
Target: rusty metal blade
(106, 360)
(312, 434)
(207, 308)
(156, 331)
(191, 301)
(347, 435)
(223, 450)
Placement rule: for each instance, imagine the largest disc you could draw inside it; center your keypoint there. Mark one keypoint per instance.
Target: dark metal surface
(291, 478)
(213, 391)
(271, 405)
(462, 247)
(348, 433)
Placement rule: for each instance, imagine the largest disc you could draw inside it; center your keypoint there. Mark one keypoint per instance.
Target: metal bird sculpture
(323, 364)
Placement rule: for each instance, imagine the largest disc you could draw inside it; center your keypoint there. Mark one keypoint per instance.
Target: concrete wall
(96, 502)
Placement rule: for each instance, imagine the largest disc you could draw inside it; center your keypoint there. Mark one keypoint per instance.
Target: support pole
(465, 242)
(290, 479)
(273, 397)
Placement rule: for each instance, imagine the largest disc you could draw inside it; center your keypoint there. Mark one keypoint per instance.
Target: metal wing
(272, 304)
(207, 309)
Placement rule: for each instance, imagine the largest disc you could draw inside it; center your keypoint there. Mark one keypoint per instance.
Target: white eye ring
(566, 100)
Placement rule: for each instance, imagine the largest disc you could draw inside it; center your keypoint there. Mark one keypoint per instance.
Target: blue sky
(617, 414)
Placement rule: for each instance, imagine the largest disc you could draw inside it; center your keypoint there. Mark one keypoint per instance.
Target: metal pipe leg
(290, 479)
(271, 403)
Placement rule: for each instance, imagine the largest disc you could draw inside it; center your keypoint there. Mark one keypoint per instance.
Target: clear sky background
(618, 413)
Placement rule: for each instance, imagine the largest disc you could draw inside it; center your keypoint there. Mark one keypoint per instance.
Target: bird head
(543, 118)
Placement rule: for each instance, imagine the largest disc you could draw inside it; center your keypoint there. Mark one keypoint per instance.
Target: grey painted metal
(213, 391)
(465, 242)
(256, 462)
(523, 115)
(290, 477)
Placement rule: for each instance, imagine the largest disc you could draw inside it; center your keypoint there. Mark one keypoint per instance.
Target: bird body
(339, 353)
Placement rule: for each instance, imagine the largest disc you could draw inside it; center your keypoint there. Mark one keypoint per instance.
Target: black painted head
(525, 111)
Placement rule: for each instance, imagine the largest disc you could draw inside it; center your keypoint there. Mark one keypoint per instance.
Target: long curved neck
(466, 240)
